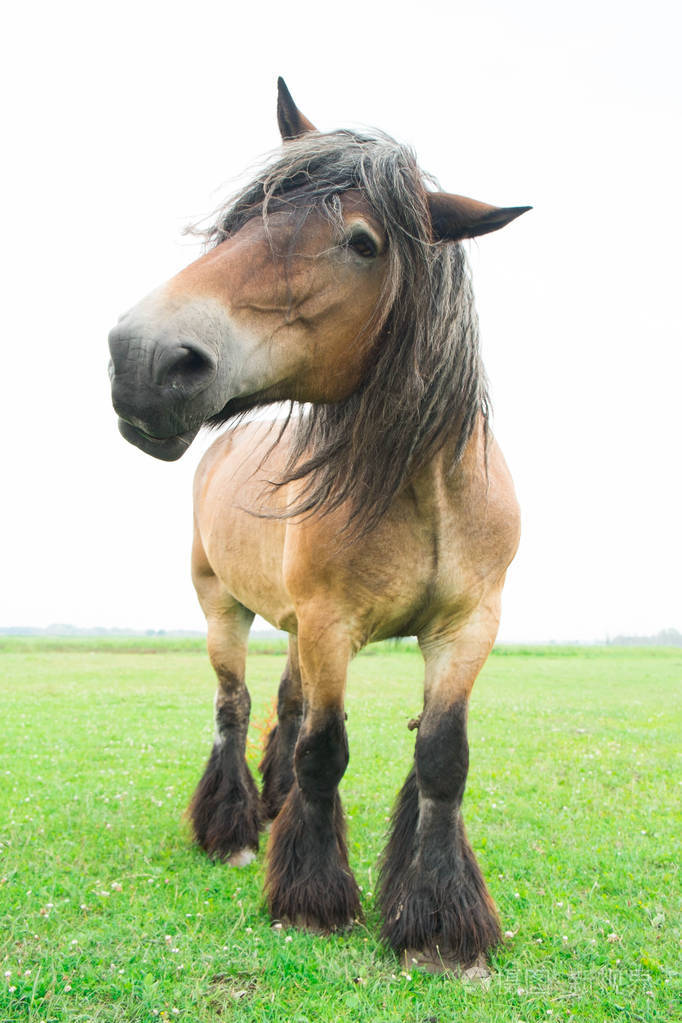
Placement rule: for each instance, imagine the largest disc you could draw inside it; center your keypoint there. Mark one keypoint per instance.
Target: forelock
(313, 170)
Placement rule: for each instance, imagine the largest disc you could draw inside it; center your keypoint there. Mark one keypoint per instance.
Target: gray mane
(425, 385)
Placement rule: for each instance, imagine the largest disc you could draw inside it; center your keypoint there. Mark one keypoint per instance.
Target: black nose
(176, 368)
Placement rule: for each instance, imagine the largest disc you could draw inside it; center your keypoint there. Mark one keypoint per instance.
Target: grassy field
(108, 913)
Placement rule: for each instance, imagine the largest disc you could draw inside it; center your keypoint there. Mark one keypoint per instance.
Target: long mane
(425, 385)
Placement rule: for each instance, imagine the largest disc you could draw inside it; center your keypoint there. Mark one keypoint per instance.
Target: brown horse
(384, 509)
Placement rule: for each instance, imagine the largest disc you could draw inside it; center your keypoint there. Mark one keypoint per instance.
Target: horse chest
(394, 581)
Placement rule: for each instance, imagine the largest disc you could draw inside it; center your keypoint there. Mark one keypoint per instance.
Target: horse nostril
(187, 367)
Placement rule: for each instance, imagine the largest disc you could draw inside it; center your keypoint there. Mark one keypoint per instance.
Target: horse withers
(336, 280)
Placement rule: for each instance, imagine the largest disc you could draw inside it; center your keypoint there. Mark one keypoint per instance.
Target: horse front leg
(277, 765)
(436, 907)
(225, 811)
(309, 883)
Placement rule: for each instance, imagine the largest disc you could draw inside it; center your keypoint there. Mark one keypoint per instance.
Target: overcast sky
(126, 121)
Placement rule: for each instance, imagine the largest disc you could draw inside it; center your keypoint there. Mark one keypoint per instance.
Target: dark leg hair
(225, 811)
(432, 894)
(277, 765)
(309, 882)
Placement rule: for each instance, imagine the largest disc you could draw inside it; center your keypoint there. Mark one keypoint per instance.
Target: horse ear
(454, 217)
(291, 121)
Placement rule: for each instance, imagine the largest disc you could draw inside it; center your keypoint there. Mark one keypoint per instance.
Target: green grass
(108, 913)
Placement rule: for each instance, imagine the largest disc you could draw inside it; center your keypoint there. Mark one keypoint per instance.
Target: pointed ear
(291, 121)
(454, 217)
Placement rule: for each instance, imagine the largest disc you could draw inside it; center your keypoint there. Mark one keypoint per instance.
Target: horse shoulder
(498, 530)
(235, 540)
(478, 531)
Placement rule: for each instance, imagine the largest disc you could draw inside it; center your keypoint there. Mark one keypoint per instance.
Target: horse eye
(363, 245)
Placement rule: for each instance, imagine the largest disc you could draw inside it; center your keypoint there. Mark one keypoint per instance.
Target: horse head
(292, 295)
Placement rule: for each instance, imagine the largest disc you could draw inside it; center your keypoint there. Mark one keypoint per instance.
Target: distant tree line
(666, 637)
(97, 630)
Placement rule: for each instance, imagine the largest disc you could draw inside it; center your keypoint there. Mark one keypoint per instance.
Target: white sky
(124, 121)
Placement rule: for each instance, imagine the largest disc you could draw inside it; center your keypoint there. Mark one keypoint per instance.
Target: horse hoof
(241, 858)
(477, 972)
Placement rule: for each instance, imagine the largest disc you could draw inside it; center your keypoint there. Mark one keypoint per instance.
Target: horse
(381, 506)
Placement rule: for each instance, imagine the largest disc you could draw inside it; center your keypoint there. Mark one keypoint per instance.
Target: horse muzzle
(162, 388)
(168, 449)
